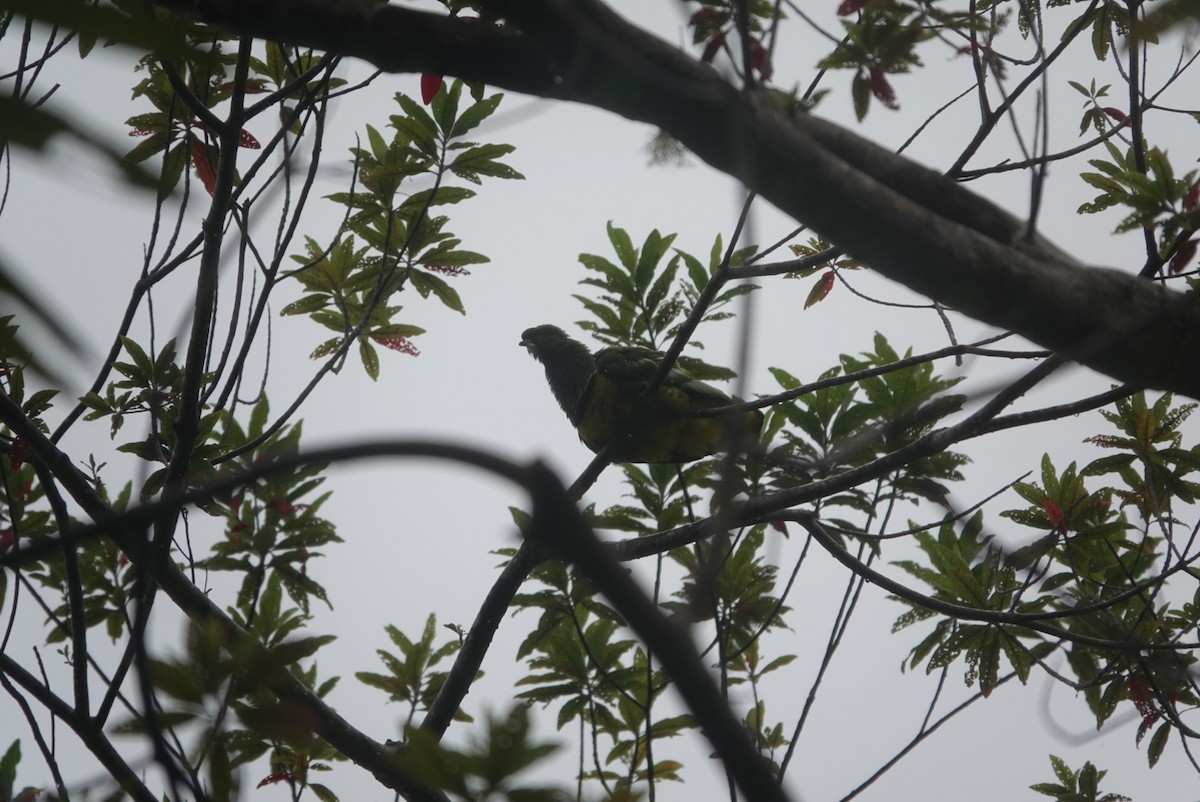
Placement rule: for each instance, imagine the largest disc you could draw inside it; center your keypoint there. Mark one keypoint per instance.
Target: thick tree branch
(908, 222)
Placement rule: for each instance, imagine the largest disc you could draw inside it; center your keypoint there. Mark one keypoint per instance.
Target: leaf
(204, 160)
(306, 305)
(482, 160)
(1062, 771)
(8, 769)
(820, 289)
(326, 348)
(474, 115)
(427, 283)
(369, 357)
(623, 246)
(417, 124)
(430, 86)
(1158, 742)
(653, 250)
(860, 91)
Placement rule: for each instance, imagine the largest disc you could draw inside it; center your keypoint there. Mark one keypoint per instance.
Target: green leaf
(1062, 771)
(306, 305)
(860, 91)
(445, 107)
(391, 330)
(8, 770)
(653, 250)
(322, 792)
(482, 160)
(369, 357)
(623, 246)
(441, 196)
(427, 283)
(1158, 742)
(326, 348)
(416, 123)
(474, 115)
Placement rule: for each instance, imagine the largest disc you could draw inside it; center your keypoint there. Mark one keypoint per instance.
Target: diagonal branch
(906, 221)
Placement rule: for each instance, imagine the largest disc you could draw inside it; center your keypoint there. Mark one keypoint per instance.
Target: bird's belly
(637, 431)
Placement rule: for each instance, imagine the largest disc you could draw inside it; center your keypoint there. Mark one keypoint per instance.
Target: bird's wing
(633, 367)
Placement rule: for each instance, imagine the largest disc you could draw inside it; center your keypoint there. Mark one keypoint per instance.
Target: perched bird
(604, 396)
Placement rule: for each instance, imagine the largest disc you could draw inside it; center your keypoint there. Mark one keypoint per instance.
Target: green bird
(604, 396)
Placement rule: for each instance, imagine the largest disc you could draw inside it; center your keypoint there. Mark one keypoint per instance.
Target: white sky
(418, 537)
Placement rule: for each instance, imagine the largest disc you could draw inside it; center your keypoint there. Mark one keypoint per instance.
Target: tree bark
(905, 221)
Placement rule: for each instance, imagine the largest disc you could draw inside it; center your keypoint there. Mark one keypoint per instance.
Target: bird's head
(541, 340)
(569, 365)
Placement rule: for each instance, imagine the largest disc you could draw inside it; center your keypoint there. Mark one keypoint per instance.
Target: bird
(604, 396)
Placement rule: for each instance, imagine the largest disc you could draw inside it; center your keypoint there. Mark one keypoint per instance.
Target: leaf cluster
(490, 768)
(1082, 785)
(212, 676)
(151, 386)
(412, 678)
(841, 425)
(1155, 198)
(644, 301)
(272, 527)
(964, 570)
(348, 288)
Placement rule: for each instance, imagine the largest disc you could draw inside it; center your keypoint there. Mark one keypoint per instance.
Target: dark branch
(906, 221)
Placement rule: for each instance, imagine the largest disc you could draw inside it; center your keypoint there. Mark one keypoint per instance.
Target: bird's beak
(531, 348)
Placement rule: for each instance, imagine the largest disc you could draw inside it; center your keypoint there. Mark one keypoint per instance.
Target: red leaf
(16, 453)
(1115, 114)
(400, 344)
(7, 538)
(1055, 514)
(820, 289)
(882, 89)
(712, 48)
(203, 159)
(247, 140)
(430, 86)
(1143, 699)
(1183, 257)
(283, 506)
(848, 7)
(275, 777)
(760, 59)
(780, 526)
(1192, 197)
